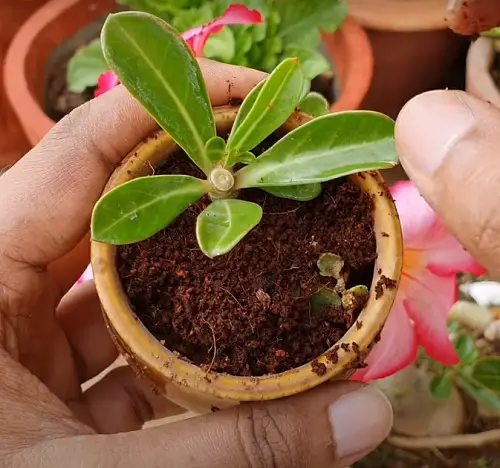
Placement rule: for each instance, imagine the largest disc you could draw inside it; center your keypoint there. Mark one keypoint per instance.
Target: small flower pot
(479, 63)
(201, 390)
(414, 49)
(59, 20)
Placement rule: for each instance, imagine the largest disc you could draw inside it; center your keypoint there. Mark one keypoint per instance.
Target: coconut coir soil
(247, 313)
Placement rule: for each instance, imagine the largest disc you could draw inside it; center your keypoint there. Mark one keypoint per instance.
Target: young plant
(156, 65)
(477, 376)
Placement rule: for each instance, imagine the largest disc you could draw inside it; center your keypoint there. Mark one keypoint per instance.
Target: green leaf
(486, 372)
(323, 300)
(140, 208)
(330, 264)
(482, 395)
(314, 104)
(216, 149)
(157, 67)
(224, 223)
(328, 147)
(272, 106)
(441, 386)
(245, 158)
(494, 33)
(466, 349)
(296, 192)
(85, 67)
(221, 46)
(312, 61)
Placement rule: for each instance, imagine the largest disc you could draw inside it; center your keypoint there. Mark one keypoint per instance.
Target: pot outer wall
(13, 143)
(24, 71)
(414, 52)
(479, 80)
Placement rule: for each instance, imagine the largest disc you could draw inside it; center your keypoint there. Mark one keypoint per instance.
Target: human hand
(50, 342)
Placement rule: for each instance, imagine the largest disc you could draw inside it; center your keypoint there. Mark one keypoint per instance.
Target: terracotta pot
(24, 76)
(59, 20)
(13, 143)
(479, 61)
(188, 385)
(352, 59)
(413, 48)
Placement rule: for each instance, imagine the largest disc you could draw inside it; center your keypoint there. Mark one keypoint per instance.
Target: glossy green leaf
(272, 106)
(314, 104)
(224, 223)
(328, 147)
(140, 208)
(244, 158)
(216, 149)
(466, 349)
(441, 386)
(324, 299)
(296, 192)
(486, 372)
(312, 61)
(482, 395)
(85, 67)
(155, 64)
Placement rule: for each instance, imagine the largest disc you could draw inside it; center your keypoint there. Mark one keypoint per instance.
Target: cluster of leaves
(291, 29)
(477, 376)
(174, 93)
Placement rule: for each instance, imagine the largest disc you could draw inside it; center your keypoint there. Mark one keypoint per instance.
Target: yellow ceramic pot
(190, 386)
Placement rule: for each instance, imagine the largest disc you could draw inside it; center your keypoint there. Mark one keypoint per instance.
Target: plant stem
(455, 441)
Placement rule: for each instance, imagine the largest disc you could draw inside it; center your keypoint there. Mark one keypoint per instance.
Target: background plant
(330, 146)
(291, 28)
(476, 375)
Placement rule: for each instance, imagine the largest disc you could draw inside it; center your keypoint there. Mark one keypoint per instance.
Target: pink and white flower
(196, 38)
(432, 257)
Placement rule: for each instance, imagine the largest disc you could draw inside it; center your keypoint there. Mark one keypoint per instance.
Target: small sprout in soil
(330, 264)
(325, 299)
(174, 93)
(355, 298)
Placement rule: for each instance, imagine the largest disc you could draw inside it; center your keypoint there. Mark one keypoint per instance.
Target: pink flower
(196, 38)
(432, 257)
(235, 14)
(106, 82)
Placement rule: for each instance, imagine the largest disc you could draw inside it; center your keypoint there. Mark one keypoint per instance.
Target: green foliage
(486, 372)
(441, 386)
(174, 93)
(136, 46)
(314, 104)
(85, 67)
(224, 223)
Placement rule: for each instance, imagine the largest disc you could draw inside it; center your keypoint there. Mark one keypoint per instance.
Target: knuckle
(264, 438)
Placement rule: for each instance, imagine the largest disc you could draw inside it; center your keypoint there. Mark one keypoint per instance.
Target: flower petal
(235, 14)
(396, 349)
(423, 230)
(428, 300)
(106, 82)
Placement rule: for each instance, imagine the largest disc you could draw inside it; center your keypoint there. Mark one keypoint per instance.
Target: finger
(448, 144)
(471, 17)
(121, 402)
(79, 315)
(52, 190)
(329, 427)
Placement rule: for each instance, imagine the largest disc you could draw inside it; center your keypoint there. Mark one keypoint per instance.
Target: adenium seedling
(157, 67)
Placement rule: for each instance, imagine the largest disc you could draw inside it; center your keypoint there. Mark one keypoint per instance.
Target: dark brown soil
(495, 68)
(384, 283)
(247, 312)
(325, 85)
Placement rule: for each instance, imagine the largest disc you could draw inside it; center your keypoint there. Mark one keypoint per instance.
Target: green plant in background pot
(290, 29)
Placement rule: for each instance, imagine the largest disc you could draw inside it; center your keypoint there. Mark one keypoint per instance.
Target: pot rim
(146, 351)
(480, 83)
(400, 15)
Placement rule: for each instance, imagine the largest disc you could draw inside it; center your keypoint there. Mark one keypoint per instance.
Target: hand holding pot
(51, 342)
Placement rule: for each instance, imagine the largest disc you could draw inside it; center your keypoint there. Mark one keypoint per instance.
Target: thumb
(448, 143)
(329, 427)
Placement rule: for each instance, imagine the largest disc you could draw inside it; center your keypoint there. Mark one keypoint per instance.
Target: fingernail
(360, 420)
(428, 128)
(453, 5)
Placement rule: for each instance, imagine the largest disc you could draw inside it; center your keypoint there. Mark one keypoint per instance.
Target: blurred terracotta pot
(479, 62)
(13, 143)
(188, 385)
(24, 76)
(352, 57)
(413, 48)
